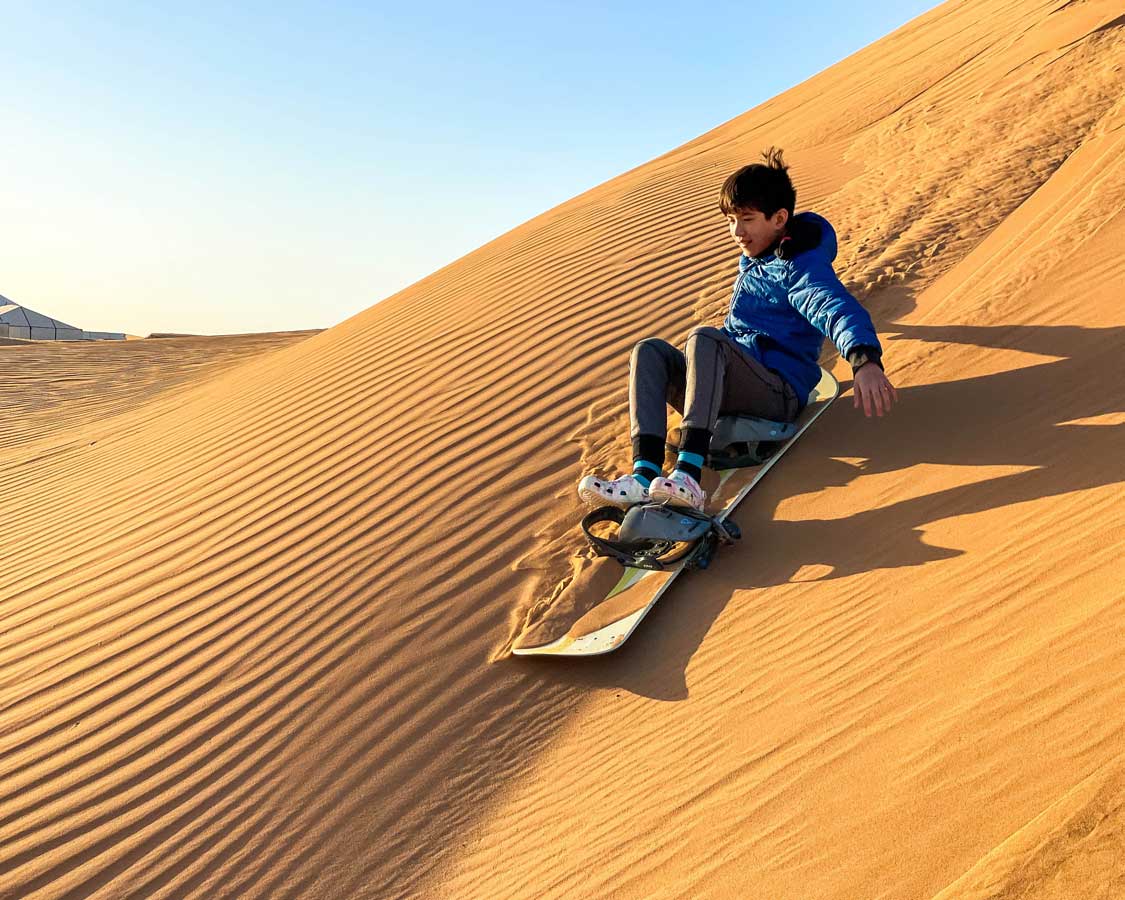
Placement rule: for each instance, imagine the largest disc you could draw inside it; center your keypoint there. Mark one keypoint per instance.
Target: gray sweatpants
(711, 376)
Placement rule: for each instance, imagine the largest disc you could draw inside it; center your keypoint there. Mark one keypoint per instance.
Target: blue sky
(211, 169)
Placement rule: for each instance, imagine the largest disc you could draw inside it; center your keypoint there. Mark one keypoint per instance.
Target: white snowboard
(639, 589)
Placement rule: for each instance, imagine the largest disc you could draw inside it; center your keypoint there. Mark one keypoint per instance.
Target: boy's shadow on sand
(1012, 418)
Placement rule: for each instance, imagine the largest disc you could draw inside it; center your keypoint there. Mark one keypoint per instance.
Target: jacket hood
(825, 249)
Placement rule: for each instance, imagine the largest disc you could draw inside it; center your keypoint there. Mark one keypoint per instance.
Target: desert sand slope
(52, 390)
(1072, 849)
(254, 629)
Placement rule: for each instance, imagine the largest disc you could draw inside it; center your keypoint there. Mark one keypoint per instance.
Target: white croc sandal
(624, 492)
(678, 489)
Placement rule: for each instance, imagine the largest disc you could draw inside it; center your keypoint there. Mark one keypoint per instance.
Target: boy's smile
(754, 233)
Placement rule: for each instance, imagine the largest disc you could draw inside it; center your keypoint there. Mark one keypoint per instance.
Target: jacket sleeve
(819, 297)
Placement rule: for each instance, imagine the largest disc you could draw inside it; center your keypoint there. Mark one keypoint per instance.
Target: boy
(763, 361)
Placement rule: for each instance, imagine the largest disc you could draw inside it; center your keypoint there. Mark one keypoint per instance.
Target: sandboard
(638, 589)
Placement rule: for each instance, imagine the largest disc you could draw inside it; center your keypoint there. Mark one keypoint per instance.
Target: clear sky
(220, 168)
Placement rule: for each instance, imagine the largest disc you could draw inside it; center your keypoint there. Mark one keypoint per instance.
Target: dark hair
(762, 186)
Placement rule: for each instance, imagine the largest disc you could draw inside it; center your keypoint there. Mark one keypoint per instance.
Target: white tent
(25, 324)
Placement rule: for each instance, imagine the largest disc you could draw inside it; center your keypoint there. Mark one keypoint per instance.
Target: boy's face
(755, 233)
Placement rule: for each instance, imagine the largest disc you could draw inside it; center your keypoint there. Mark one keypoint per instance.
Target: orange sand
(252, 647)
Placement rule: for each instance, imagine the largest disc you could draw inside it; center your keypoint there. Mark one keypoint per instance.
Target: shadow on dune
(1011, 418)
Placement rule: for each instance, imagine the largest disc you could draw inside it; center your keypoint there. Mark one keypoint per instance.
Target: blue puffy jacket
(782, 310)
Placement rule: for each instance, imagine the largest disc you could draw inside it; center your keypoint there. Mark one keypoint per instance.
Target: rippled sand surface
(258, 592)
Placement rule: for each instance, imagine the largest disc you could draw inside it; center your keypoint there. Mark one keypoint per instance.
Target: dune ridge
(1071, 849)
(50, 389)
(255, 611)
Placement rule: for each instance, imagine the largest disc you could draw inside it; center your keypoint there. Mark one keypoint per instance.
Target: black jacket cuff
(859, 356)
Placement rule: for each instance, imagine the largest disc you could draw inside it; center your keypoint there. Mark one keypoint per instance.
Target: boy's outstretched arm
(872, 388)
(822, 299)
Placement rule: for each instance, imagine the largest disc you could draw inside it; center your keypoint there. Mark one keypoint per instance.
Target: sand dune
(1071, 849)
(258, 593)
(52, 390)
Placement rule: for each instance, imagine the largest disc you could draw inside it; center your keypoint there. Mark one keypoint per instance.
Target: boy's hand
(873, 389)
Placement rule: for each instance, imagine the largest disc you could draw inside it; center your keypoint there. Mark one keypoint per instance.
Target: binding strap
(662, 536)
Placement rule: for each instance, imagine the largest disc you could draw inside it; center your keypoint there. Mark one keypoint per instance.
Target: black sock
(694, 445)
(648, 457)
